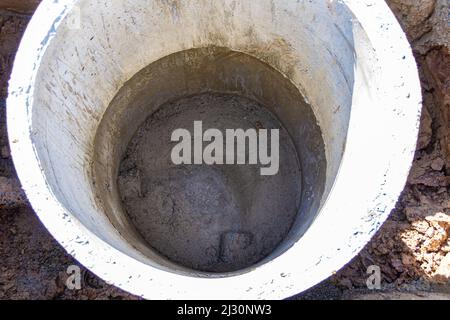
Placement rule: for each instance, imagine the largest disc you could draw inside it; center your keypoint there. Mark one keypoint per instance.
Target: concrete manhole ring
(80, 62)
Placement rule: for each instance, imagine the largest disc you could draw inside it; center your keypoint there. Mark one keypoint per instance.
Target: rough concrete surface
(412, 248)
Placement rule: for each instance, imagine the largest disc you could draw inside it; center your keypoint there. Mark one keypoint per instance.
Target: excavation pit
(214, 218)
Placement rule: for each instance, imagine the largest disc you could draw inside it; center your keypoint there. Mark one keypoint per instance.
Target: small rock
(437, 164)
(434, 243)
(421, 226)
(430, 232)
(440, 219)
(407, 260)
(397, 264)
(442, 274)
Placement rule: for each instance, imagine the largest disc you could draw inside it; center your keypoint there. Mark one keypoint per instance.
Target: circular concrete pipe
(337, 76)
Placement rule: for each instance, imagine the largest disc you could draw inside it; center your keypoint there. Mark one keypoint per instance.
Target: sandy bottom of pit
(214, 218)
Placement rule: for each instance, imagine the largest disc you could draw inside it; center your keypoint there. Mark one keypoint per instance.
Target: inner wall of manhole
(210, 218)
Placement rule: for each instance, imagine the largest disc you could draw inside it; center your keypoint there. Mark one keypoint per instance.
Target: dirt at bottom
(214, 218)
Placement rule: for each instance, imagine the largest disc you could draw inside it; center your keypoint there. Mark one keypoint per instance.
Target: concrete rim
(365, 210)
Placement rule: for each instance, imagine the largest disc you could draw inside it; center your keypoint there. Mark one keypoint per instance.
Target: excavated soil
(412, 247)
